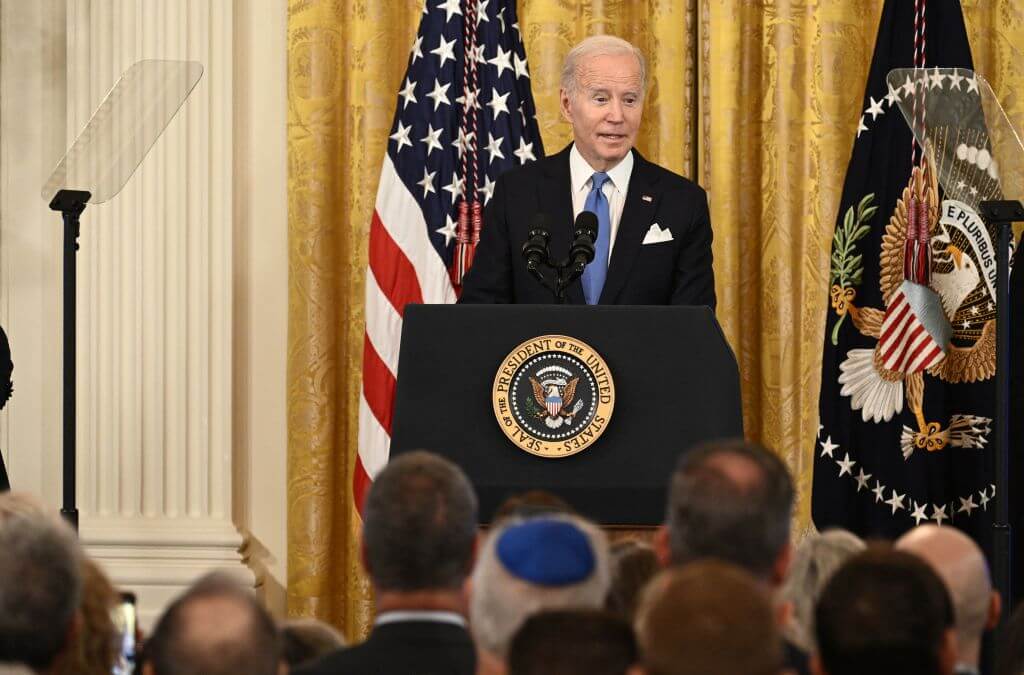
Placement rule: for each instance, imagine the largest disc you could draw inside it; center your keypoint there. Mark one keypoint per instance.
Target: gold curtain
(757, 100)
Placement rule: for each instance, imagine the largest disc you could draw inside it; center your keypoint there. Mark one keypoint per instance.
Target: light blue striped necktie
(595, 273)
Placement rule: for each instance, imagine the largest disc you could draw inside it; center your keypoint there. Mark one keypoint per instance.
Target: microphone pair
(584, 234)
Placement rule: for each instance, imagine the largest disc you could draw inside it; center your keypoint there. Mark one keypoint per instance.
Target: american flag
(434, 152)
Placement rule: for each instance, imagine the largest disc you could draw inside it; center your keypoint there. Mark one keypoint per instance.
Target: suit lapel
(556, 192)
(637, 215)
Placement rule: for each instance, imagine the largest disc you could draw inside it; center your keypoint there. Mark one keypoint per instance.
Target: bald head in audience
(962, 567)
(708, 618)
(215, 628)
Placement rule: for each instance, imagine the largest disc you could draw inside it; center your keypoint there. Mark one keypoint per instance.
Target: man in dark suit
(654, 233)
(732, 500)
(6, 387)
(884, 612)
(419, 543)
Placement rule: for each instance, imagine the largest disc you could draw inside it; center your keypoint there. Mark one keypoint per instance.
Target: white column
(155, 309)
(32, 121)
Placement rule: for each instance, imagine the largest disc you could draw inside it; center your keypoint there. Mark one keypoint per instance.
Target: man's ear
(948, 652)
(783, 614)
(564, 105)
(661, 546)
(476, 552)
(995, 610)
(780, 568)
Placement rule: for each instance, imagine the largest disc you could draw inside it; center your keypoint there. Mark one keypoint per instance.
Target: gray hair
(599, 45)
(419, 524)
(730, 500)
(40, 585)
(246, 639)
(815, 561)
(501, 602)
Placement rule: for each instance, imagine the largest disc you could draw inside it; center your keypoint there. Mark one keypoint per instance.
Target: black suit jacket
(413, 647)
(676, 272)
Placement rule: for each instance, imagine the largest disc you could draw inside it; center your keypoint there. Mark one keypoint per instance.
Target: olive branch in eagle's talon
(847, 264)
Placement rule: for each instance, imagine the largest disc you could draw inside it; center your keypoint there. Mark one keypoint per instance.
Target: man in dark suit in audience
(707, 618)
(732, 501)
(884, 612)
(419, 543)
(216, 627)
(653, 242)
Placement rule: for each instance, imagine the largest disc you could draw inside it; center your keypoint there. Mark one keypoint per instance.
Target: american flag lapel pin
(647, 198)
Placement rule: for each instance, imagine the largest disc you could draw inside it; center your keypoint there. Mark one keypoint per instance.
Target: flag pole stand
(1002, 215)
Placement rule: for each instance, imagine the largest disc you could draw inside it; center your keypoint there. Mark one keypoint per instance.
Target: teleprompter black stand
(1002, 215)
(70, 203)
(676, 384)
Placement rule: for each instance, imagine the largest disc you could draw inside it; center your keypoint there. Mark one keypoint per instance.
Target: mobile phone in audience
(126, 622)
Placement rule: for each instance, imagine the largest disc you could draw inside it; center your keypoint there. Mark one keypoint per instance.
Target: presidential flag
(464, 115)
(907, 393)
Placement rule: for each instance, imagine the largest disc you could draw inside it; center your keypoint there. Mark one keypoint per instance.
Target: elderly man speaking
(653, 244)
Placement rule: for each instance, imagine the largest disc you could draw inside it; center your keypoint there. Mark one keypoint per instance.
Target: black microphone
(584, 234)
(535, 250)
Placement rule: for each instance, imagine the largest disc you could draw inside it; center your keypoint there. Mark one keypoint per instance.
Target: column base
(158, 558)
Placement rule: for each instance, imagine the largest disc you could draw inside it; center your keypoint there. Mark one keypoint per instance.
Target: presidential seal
(553, 396)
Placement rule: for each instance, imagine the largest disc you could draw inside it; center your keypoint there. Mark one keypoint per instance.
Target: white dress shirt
(614, 189)
(397, 616)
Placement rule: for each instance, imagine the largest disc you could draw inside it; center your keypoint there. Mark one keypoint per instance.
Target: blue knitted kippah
(546, 552)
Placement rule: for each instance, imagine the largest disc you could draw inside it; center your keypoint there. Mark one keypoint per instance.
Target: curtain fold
(758, 101)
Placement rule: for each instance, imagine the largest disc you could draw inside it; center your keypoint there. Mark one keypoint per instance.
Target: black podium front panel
(676, 384)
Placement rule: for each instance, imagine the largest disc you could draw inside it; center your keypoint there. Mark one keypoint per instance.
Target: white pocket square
(656, 235)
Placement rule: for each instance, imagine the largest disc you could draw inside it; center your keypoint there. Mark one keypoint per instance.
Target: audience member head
(815, 561)
(730, 500)
(708, 618)
(1010, 650)
(553, 562)
(306, 640)
(216, 627)
(95, 647)
(633, 564)
(884, 611)
(419, 525)
(21, 504)
(961, 565)
(531, 503)
(40, 584)
(572, 642)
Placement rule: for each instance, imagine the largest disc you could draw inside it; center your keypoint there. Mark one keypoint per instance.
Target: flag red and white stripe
(403, 268)
(905, 343)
